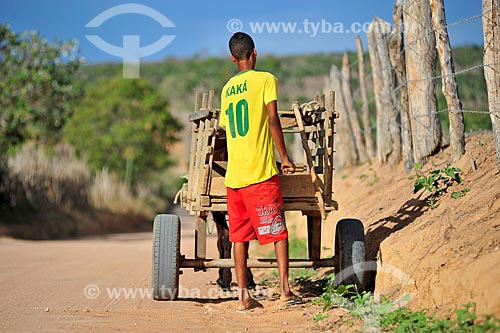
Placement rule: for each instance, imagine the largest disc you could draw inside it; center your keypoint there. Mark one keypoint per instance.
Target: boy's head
(241, 46)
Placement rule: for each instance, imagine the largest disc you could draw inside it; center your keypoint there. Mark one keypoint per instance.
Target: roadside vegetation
(78, 139)
(387, 315)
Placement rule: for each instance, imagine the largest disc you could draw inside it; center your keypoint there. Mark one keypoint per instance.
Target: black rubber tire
(350, 251)
(166, 257)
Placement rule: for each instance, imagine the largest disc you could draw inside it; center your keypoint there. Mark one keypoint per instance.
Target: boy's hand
(287, 167)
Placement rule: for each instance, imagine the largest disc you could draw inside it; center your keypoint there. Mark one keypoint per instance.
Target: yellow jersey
(250, 146)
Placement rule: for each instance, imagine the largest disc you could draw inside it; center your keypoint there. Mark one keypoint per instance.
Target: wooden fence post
(450, 85)
(344, 140)
(420, 52)
(491, 29)
(351, 111)
(397, 54)
(388, 125)
(370, 149)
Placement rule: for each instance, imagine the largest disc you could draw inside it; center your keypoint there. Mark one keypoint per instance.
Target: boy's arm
(276, 132)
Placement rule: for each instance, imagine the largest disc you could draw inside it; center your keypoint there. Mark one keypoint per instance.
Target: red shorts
(256, 212)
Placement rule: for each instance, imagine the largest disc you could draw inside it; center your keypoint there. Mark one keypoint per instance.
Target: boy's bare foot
(252, 304)
(292, 299)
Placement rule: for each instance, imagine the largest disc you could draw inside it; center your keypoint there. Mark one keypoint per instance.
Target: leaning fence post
(370, 149)
(344, 140)
(450, 85)
(420, 53)
(397, 55)
(491, 29)
(352, 113)
(388, 125)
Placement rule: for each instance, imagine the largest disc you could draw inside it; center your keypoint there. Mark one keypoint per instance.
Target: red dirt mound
(443, 257)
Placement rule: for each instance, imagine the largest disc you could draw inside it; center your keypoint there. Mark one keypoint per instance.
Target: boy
(255, 206)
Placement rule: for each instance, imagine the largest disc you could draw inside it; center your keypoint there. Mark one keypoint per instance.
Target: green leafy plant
(370, 180)
(298, 274)
(436, 182)
(464, 320)
(388, 316)
(459, 194)
(320, 316)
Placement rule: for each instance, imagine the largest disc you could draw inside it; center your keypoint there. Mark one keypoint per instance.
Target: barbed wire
(405, 47)
(402, 124)
(427, 120)
(392, 93)
(436, 77)
(431, 29)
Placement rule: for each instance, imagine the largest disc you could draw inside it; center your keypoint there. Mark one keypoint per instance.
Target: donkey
(224, 247)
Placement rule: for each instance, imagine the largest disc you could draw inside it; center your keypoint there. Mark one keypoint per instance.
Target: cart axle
(256, 263)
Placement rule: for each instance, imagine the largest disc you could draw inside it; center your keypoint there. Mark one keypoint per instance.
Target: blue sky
(202, 28)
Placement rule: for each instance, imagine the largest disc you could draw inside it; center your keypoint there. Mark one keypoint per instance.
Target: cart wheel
(166, 257)
(350, 250)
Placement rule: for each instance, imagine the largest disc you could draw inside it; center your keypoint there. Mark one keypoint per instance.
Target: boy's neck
(245, 65)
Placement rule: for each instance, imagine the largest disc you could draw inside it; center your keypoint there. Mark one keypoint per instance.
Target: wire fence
(409, 45)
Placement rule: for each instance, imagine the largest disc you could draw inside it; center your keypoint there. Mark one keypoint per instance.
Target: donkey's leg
(224, 247)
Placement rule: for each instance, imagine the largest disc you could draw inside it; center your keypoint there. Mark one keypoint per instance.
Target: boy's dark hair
(241, 46)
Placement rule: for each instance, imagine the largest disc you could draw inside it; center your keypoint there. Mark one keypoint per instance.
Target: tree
(37, 87)
(124, 125)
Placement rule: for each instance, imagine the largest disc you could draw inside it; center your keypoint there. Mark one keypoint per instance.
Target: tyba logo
(131, 52)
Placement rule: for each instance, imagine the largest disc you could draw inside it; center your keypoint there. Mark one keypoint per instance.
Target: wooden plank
(289, 204)
(210, 99)
(212, 138)
(205, 201)
(196, 101)
(328, 172)
(292, 186)
(198, 115)
(200, 156)
(201, 236)
(192, 161)
(314, 236)
(316, 181)
(204, 101)
(287, 121)
(205, 180)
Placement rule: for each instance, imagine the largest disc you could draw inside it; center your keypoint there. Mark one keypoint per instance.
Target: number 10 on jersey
(238, 118)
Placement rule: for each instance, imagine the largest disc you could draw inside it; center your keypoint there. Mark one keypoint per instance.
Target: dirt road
(451, 253)
(103, 284)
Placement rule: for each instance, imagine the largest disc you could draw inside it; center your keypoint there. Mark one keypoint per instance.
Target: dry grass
(109, 193)
(39, 179)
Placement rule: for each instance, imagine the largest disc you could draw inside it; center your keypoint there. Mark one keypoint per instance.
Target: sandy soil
(443, 258)
(69, 286)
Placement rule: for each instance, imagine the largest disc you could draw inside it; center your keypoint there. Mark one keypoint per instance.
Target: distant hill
(300, 78)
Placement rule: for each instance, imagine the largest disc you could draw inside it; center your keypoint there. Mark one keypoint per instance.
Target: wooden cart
(309, 190)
